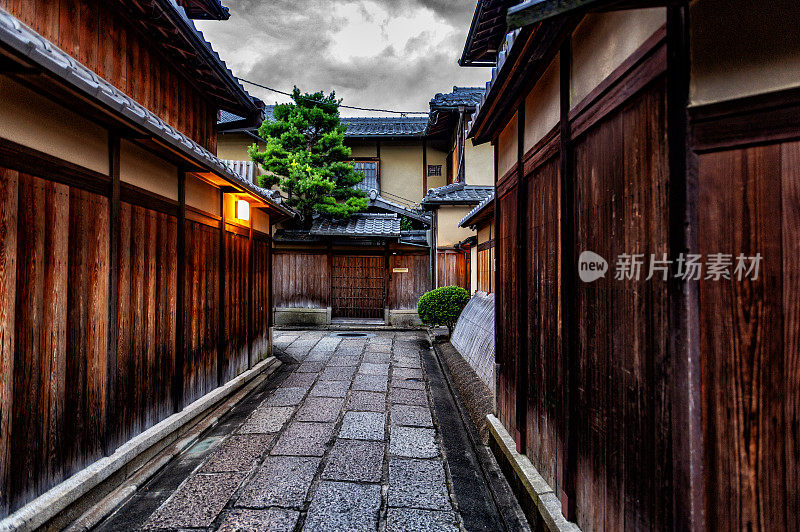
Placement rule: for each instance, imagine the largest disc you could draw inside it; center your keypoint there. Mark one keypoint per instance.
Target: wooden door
(358, 286)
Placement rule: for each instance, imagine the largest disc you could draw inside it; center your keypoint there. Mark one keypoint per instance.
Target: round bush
(442, 306)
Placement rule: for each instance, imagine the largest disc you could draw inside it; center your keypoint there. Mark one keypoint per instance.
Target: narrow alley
(352, 433)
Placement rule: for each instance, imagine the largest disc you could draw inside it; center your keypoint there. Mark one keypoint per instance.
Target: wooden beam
(250, 275)
(221, 299)
(180, 305)
(684, 342)
(569, 337)
(113, 295)
(521, 256)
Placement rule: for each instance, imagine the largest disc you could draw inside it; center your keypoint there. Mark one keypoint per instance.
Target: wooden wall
(749, 202)
(405, 289)
(301, 280)
(623, 400)
(201, 294)
(585, 392)
(145, 319)
(452, 269)
(102, 40)
(485, 263)
(65, 401)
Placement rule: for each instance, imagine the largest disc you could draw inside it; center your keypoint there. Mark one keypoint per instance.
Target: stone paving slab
(330, 389)
(338, 373)
(238, 453)
(367, 368)
(413, 442)
(363, 426)
(320, 409)
(408, 397)
(267, 419)
(197, 502)
(340, 506)
(343, 360)
(367, 401)
(280, 481)
(286, 397)
(360, 461)
(270, 519)
(407, 362)
(408, 383)
(410, 415)
(416, 520)
(300, 380)
(310, 367)
(407, 373)
(377, 358)
(304, 439)
(371, 383)
(417, 483)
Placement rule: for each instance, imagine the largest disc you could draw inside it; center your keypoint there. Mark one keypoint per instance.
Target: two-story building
(134, 263)
(469, 180)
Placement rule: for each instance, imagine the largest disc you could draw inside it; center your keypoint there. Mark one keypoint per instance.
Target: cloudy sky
(393, 54)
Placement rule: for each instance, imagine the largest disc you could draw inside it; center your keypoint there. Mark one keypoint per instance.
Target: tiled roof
(457, 194)
(226, 117)
(467, 96)
(381, 225)
(385, 204)
(404, 126)
(26, 42)
(468, 220)
(205, 9)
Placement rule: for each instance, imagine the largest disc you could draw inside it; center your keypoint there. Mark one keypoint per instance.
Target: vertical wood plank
(180, 300)
(9, 189)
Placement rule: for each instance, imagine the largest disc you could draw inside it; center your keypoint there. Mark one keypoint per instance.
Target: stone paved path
(346, 439)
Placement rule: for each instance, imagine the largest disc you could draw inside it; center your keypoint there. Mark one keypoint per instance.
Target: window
(434, 169)
(370, 170)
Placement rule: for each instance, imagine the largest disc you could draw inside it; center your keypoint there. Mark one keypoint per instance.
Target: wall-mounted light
(242, 210)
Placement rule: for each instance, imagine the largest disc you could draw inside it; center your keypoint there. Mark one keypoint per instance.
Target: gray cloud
(293, 42)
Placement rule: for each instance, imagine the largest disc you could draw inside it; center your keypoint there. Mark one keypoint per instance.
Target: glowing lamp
(242, 210)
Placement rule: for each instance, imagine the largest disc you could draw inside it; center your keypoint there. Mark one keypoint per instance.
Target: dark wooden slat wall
(749, 202)
(102, 40)
(202, 310)
(146, 319)
(452, 269)
(259, 326)
(301, 280)
(505, 304)
(236, 337)
(54, 312)
(406, 288)
(621, 190)
(546, 430)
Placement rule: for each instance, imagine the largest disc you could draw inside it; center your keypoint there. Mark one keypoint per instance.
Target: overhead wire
(402, 113)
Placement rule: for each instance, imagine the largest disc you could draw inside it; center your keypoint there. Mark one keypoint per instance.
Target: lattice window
(370, 170)
(434, 170)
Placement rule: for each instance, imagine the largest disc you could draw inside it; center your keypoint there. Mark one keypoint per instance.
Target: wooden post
(180, 303)
(270, 310)
(498, 324)
(684, 341)
(222, 260)
(522, 286)
(387, 277)
(569, 349)
(250, 295)
(113, 295)
(424, 166)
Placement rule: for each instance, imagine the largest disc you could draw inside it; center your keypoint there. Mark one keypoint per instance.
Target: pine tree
(305, 155)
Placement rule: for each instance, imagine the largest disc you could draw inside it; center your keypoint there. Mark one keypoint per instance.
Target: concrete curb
(536, 488)
(41, 510)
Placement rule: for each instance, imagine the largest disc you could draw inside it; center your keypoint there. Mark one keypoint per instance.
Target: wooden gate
(358, 286)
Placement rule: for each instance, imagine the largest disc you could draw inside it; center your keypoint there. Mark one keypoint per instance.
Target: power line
(403, 113)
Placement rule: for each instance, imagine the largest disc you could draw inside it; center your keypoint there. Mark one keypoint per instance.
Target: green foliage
(442, 306)
(306, 157)
(406, 224)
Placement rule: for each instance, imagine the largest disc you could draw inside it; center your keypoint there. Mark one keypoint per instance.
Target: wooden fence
(73, 387)
(453, 268)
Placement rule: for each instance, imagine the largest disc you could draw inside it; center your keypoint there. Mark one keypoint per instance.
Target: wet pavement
(347, 435)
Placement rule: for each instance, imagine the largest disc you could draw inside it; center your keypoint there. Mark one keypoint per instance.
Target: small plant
(442, 306)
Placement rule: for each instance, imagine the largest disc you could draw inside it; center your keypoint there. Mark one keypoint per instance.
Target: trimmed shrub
(442, 306)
